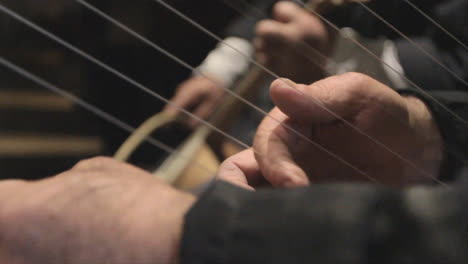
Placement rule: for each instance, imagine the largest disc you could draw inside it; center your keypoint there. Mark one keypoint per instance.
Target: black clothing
(328, 224)
(453, 130)
(420, 69)
(253, 11)
(353, 223)
(451, 14)
(335, 223)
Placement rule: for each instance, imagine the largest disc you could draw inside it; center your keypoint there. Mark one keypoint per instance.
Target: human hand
(101, 211)
(284, 159)
(198, 95)
(294, 44)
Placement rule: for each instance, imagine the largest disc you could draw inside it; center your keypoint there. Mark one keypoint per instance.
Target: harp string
(306, 47)
(90, 107)
(376, 57)
(252, 105)
(435, 23)
(260, 15)
(152, 44)
(242, 5)
(140, 86)
(116, 72)
(360, 131)
(425, 52)
(414, 44)
(211, 34)
(101, 65)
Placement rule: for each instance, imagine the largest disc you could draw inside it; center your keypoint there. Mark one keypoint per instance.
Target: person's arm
(100, 211)
(424, 71)
(397, 12)
(244, 26)
(222, 67)
(449, 110)
(327, 224)
(230, 59)
(416, 65)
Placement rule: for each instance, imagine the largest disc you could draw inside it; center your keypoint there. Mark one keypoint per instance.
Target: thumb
(241, 169)
(321, 102)
(285, 11)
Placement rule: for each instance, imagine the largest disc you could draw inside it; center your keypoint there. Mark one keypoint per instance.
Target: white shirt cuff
(348, 56)
(228, 60)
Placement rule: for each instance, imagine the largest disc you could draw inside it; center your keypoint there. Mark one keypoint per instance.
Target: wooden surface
(21, 145)
(33, 100)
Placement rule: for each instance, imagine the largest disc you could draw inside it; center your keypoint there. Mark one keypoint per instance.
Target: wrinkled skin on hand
(198, 95)
(101, 211)
(294, 44)
(285, 159)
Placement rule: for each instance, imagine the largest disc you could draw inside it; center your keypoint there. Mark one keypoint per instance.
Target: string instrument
(189, 165)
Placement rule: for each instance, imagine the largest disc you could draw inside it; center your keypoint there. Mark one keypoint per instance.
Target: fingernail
(288, 81)
(283, 83)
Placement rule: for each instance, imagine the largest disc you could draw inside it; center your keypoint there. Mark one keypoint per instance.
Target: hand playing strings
(294, 44)
(332, 150)
(198, 95)
(287, 45)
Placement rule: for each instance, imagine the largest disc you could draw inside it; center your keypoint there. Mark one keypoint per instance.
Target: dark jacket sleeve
(450, 111)
(328, 224)
(418, 66)
(251, 13)
(339, 223)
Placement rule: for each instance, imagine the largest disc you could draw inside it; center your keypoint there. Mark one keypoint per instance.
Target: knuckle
(94, 163)
(285, 8)
(263, 28)
(357, 78)
(326, 90)
(225, 168)
(286, 174)
(278, 9)
(229, 163)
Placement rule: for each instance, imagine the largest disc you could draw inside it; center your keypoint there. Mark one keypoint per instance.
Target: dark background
(65, 69)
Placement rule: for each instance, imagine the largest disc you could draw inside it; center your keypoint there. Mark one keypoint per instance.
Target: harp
(203, 146)
(180, 152)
